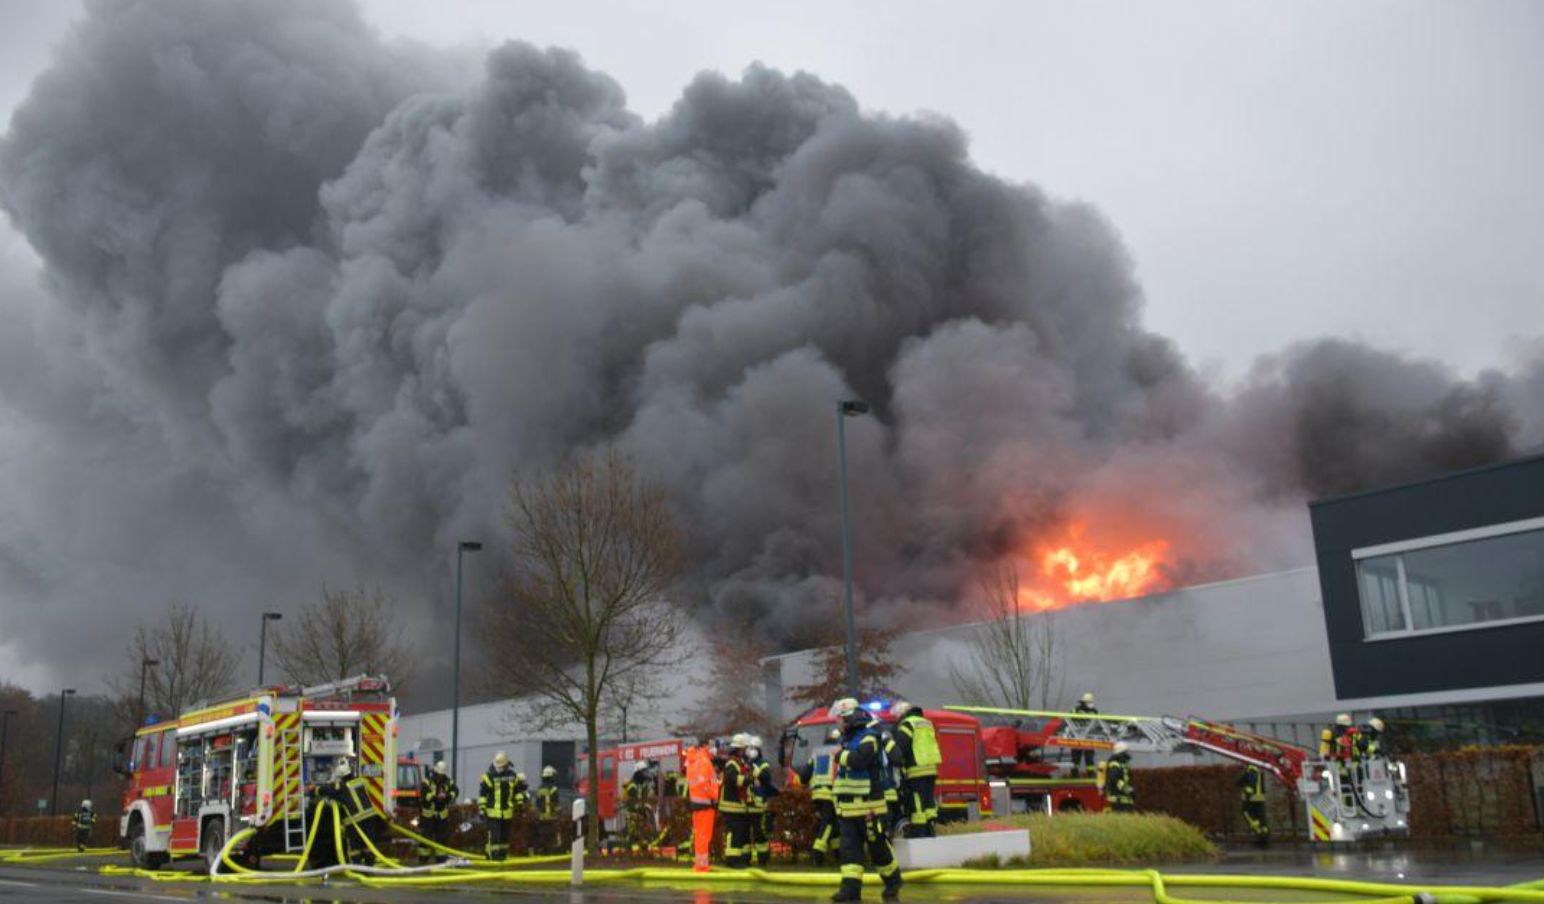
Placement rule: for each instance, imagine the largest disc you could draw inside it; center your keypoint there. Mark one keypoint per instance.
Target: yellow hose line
(473, 859)
(41, 855)
(468, 873)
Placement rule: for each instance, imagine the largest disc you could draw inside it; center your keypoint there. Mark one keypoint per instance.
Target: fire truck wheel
(142, 858)
(214, 842)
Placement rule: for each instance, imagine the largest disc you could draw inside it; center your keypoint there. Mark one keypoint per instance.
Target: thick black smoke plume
(310, 299)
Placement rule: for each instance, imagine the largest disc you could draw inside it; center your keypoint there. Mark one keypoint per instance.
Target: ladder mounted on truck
(1344, 800)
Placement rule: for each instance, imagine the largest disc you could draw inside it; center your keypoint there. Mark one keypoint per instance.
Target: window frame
(1453, 538)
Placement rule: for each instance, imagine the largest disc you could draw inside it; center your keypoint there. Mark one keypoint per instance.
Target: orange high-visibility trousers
(702, 837)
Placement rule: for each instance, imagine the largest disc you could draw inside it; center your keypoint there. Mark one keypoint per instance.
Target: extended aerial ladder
(1344, 800)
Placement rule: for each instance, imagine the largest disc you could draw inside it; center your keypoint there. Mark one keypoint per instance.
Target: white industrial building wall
(487, 728)
(1253, 649)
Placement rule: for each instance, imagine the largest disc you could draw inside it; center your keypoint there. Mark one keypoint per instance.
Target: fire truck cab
(253, 761)
(617, 765)
(962, 788)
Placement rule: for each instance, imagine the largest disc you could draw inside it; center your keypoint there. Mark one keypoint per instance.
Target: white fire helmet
(441, 769)
(1119, 748)
(501, 759)
(740, 741)
(85, 805)
(843, 708)
(1087, 697)
(549, 772)
(1376, 723)
(1343, 720)
(342, 770)
(900, 708)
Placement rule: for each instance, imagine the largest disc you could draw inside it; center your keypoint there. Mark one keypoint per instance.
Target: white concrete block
(953, 850)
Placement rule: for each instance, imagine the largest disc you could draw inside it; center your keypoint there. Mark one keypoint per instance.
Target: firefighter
(496, 803)
(358, 818)
(860, 803)
(733, 799)
(520, 824)
(703, 789)
(1084, 757)
(84, 822)
(1369, 739)
(1335, 740)
(818, 776)
(892, 786)
(1251, 785)
(548, 838)
(638, 800)
(1118, 789)
(762, 791)
(917, 743)
(438, 794)
(674, 786)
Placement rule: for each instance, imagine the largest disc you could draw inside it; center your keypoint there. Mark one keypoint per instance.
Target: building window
(1453, 586)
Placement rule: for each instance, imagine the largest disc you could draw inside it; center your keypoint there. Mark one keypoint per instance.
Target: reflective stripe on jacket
(436, 796)
(733, 788)
(497, 797)
(859, 787)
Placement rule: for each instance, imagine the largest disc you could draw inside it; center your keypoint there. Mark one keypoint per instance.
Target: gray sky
(1278, 171)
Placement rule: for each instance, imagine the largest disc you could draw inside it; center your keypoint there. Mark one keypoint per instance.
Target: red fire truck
(252, 761)
(962, 789)
(617, 765)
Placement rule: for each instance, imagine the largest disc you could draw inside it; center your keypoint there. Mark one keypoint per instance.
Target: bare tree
(193, 662)
(734, 673)
(876, 668)
(346, 633)
(1014, 661)
(596, 553)
(629, 700)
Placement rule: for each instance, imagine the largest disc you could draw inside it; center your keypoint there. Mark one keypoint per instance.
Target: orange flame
(1077, 570)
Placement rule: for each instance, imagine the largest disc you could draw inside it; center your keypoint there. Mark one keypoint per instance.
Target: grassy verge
(1076, 839)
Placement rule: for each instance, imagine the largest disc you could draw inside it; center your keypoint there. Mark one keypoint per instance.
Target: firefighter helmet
(740, 741)
(85, 804)
(1087, 697)
(342, 770)
(440, 768)
(1119, 748)
(500, 759)
(901, 708)
(1343, 720)
(549, 772)
(1376, 723)
(843, 708)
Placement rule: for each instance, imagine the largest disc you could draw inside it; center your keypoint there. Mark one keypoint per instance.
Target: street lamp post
(845, 409)
(5, 726)
(145, 665)
(53, 798)
(455, 704)
(262, 642)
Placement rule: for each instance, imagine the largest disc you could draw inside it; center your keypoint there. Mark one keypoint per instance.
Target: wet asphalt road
(81, 884)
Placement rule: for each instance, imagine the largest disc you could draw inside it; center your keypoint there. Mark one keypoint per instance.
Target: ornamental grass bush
(1075, 839)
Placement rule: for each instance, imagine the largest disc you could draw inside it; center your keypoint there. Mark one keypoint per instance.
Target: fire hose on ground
(468, 870)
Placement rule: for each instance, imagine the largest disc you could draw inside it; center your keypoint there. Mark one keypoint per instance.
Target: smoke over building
(311, 298)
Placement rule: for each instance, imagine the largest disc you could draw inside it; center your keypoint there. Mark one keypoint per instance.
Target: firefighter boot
(851, 890)
(892, 887)
(817, 858)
